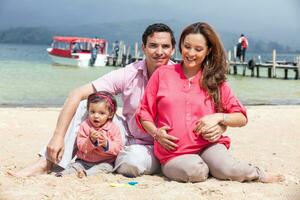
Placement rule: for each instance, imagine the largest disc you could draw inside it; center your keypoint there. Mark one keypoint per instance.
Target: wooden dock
(273, 68)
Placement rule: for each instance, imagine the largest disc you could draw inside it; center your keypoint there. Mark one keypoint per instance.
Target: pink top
(87, 151)
(130, 83)
(175, 101)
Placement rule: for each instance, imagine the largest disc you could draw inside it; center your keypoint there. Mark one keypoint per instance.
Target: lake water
(27, 78)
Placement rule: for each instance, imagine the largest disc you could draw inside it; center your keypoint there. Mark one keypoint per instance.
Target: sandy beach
(270, 140)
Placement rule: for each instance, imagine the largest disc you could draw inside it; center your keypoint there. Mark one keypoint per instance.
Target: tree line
(43, 35)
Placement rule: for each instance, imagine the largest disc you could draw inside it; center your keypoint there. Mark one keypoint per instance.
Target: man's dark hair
(158, 27)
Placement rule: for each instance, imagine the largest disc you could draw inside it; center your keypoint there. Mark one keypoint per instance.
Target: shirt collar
(195, 78)
(143, 67)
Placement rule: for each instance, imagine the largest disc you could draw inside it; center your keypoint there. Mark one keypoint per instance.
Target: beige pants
(87, 167)
(215, 160)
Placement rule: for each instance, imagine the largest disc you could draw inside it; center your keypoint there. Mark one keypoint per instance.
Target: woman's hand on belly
(166, 140)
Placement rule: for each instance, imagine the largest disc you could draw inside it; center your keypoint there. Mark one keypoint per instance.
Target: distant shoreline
(60, 106)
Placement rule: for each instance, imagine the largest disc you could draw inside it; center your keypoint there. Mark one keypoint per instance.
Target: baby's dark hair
(103, 96)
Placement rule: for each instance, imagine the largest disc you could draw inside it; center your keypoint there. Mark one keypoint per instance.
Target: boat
(78, 51)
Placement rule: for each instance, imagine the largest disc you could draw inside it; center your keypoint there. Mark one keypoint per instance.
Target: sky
(278, 20)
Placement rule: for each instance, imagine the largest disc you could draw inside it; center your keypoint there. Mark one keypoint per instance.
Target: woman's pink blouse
(172, 100)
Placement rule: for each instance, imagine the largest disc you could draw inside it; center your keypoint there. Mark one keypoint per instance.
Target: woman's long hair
(214, 65)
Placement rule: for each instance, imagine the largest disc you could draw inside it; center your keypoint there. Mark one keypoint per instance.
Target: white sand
(271, 140)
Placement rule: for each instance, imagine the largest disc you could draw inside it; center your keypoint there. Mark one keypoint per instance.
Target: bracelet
(155, 134)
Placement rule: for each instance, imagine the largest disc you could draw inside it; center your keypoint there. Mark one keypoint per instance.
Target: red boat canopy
(77, 39)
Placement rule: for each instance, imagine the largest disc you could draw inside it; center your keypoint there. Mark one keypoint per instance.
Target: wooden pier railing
(272, 67)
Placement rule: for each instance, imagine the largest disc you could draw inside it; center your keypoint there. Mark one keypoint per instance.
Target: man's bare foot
(42, 166)
(269, 178)
(81, 174)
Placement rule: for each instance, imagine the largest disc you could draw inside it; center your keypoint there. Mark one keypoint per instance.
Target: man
(94, 53)
(158, 45)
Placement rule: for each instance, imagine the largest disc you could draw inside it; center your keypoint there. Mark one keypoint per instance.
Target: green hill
(129, 32)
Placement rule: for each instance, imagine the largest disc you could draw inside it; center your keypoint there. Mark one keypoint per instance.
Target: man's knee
(136, 160)
(128, 170)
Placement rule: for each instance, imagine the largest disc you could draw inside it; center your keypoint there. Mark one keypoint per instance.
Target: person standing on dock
(243, 43)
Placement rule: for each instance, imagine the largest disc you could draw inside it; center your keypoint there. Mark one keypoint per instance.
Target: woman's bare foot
(81, 174)
(42, 166)
(269, 178)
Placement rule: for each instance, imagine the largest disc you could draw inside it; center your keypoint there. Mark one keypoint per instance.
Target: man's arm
(55, 147)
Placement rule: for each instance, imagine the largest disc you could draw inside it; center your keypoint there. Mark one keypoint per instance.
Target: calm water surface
(27, 78)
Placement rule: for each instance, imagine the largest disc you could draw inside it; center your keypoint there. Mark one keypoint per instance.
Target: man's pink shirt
(130, 83)
(173, 100)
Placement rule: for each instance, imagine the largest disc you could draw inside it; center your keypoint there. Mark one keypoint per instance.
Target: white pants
(215, 160)
(141, 156)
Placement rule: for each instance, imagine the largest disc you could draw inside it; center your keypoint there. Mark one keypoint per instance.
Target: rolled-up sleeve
(230, 102)
(148, 106)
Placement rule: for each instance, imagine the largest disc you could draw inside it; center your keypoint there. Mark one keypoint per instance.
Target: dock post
(234, 69)
(128, 56)
(257, 71)
(252, 70)
(244, 70)
(270, 72)
(274, 62)
(114, 59)
(136, 50)
(298, 67)
(229, 61)
(285, 73)
(234, 53)
(121, 53)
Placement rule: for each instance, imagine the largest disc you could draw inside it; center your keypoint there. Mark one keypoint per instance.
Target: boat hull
(78, 59)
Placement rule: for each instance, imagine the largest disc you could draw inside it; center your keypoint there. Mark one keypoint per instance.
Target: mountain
(127, 31)
(28, 35)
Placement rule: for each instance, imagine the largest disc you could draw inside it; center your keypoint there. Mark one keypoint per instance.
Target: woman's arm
(209, 125)
(232, 119)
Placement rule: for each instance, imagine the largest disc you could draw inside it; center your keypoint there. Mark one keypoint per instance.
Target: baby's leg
(73, 168)
(222, 166)
(99, 168)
